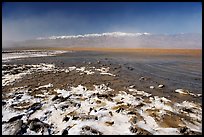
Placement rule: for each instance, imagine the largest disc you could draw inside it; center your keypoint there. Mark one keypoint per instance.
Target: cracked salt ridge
(103, 115)
(8, 113)
(196, 115)
(155, 129)
(186, 92)
(149, 122)
(46, 86)
(26, 54)
(127, 99)
(10, 79)
(120, 121)
(104, 71)
(120, 126)
(83, 70)
(140, 92)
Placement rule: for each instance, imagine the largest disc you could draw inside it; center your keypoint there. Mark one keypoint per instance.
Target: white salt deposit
(28, 53)
(160, 86)
(72, 68)
(181, 91)
(46, 86)
(104, 73)
(11, 78)
(142, 93)
(63, 93)
(186, 92)
(8, 113)
(151, 87)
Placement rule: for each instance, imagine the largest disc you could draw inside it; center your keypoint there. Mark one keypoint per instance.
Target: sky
(28, 20)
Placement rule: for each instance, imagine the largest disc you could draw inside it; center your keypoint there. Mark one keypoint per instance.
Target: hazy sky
(26, 20)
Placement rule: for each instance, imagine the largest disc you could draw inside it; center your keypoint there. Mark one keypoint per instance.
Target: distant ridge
(116, 40)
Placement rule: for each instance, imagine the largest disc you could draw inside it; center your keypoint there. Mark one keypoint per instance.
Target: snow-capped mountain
(110, 34)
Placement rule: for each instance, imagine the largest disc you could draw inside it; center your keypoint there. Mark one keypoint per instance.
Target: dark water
(175, 71)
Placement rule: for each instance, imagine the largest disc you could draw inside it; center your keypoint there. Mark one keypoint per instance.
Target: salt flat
(93, 92)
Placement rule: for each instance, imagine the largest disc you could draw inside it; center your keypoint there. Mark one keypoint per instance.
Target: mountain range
(117, 40)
